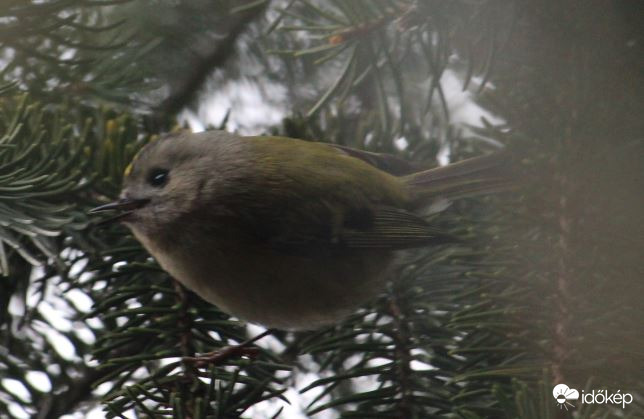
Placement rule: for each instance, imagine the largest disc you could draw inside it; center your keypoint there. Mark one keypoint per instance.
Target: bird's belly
(279, 290)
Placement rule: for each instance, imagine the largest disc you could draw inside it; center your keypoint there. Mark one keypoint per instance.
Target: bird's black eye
(158, 177)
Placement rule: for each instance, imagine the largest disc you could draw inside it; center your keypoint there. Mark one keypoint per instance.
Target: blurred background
(545, 287)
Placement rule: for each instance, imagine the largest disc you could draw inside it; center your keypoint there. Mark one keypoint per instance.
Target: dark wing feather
(385, 162)
(393, 228)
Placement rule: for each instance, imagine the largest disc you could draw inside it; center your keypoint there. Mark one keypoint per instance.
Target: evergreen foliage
(543, 287)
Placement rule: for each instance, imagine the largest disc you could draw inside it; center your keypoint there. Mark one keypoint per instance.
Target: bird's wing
(390, 228)
(386, 162)
(382, 227)
(314, 196)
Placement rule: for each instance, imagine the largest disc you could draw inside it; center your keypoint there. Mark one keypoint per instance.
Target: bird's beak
(124, 207)
(125, 204)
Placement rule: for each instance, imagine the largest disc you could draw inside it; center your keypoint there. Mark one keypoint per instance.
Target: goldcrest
(286, 233)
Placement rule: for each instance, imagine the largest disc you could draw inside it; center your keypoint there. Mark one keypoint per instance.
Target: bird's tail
(479, 175)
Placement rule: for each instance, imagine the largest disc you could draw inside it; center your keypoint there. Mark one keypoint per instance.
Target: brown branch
(187, 87)
(402, 355)
(187, 348)
(185, 323)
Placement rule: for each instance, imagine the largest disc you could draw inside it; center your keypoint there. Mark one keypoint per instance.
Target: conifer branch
(186, 87)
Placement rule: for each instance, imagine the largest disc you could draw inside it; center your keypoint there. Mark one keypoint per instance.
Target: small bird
(286, 233)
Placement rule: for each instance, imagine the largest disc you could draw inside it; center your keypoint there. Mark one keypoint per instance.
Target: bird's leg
(222, 355)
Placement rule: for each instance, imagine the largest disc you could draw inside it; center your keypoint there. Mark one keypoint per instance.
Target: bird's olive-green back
(316, 193)
(324, 172)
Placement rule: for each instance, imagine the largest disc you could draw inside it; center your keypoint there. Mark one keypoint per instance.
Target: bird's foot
(221, 356)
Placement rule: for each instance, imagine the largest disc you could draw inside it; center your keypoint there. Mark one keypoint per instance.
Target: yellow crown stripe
(128, 169)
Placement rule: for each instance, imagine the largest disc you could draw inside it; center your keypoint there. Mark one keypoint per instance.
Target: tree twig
(187, 87)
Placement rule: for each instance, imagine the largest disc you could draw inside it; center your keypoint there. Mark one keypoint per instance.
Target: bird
(286, 233)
